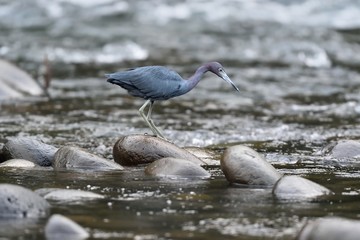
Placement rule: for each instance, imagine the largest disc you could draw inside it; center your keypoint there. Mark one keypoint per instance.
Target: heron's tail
(111, 79)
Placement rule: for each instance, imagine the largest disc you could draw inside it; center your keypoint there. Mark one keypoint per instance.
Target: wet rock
(298, 188)
(30, 149)
(60, 227)
(20, 202)
(331, 228)
(76, 158)
(15, 83)
(242, 164)
(175, 167)
(141, 149)
(345, 149)
(67, 195)
(344, 153)
(18, 163)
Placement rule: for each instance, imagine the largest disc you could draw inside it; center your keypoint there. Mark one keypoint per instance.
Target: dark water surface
(296, 63)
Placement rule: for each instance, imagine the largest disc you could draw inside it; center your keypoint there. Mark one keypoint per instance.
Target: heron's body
(151, 82)
(155, 83)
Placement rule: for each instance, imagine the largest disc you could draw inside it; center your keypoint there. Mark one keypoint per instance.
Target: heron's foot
(155, 130)
(162, 137)
(156, 135)
(150, 135)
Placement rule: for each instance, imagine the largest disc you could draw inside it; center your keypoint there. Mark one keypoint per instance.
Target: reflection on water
(296, 63)
(135, 205)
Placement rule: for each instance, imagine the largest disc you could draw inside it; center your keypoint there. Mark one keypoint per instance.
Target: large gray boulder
(243, 165)
(30, 149)
(77, 158)
(142, 149)
(20, 202)
(298, 188)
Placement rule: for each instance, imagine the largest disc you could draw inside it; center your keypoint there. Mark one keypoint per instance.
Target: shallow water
(297, 65)
(140, 207)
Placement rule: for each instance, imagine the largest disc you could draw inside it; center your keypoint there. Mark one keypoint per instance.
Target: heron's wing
(152, 82)
(156, 82)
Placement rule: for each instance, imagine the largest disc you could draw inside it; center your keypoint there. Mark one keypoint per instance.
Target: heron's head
(218, 69)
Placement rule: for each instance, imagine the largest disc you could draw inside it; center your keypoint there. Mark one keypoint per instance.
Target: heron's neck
(194, 79)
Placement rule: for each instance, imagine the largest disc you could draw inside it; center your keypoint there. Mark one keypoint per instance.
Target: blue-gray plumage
(155, 83)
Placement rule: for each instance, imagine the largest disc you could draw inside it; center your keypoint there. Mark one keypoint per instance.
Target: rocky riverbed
(279, 160)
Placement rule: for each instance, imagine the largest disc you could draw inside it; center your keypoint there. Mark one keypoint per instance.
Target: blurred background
(297, 64)
(99, 32)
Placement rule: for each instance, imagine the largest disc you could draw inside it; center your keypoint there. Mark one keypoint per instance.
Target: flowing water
(296, 63)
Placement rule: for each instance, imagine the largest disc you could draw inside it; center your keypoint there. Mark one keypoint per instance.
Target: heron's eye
(221, 70)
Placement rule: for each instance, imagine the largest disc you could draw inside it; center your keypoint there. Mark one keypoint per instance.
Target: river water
(296, 63)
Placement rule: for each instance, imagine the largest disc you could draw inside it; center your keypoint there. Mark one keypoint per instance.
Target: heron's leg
(148, 115)
(148, 120)
(141, 111)
(158, 132)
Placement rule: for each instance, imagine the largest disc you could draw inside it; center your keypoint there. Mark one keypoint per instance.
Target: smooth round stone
(242, 164)
(331, 228)
(30, 149)
(346, 149)
(175, 167)
(67, 195)
(60, 227)
(14, 82)
(298, 188)
(18, 163)
(142, 149)
(20, 202)
(77, 158)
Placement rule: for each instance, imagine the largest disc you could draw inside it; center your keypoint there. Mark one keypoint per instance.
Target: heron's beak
(224, 76)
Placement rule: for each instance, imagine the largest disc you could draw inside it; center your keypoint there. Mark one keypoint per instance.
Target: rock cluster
(241, 166)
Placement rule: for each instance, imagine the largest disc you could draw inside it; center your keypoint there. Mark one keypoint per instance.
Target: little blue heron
(155, 83)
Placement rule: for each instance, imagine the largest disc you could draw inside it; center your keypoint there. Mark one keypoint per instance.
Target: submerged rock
(20, 202)
(175, 167)
(141, 149)
(30, 149)
(298, 188)
(17, 228)
(18, 163)
(14, 82)
(331, 228)
(67, 195)
(76, 158)
(242, 164)
(59, 227)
